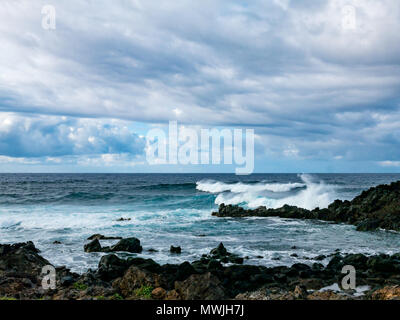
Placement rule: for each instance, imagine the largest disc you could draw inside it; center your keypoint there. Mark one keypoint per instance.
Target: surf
(310, 193)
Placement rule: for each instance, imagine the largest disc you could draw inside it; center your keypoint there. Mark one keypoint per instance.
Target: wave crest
(308, 194)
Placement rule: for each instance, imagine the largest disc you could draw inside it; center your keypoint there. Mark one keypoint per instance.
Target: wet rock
(368, 225)
(67, 281)
(20, 270)
(220, 253)
(93, 246)
(21, 258)
(102, 237)
(56, 242)
(124, 219)
(374, 208)
(111, 267)
(382, 264)
(127, 245)
(176, 250)
(358, 261)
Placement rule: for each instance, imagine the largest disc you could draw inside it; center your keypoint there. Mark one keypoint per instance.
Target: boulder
(159, 293)
(201, 287)
(128, 245)
(22, 259)
(135, 278)
(176, 250)
(102, 237)
(93, 246)
(111, 267)
(20, 270)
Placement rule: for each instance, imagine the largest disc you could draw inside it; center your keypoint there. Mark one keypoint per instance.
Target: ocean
(175, 209)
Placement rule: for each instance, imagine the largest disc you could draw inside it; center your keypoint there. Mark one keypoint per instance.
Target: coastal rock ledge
(377, 207)
(207, 278)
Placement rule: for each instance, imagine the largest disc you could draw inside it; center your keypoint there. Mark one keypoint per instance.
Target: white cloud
(285, 68)
(389, 163)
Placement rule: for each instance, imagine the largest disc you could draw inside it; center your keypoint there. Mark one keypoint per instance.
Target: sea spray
(309, 194)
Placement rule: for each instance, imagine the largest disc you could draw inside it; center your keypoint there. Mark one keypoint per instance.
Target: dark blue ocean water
(175, 209)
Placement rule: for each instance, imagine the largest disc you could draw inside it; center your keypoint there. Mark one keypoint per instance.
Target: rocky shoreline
(375, 208)
(218, 275)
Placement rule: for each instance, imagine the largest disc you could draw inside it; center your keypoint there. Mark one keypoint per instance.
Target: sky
(321, 93)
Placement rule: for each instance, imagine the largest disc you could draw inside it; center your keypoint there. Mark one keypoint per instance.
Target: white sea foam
(311, 194)
(217, 187)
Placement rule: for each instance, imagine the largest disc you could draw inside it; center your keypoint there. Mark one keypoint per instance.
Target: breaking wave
(307, 194)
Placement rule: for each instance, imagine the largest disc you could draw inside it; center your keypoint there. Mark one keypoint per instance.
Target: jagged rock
(368, 225)
(201, 287)
(20, 270)
(135, 278)
(326, 295)
(129, 245)
(176, 250)
(102, 237)
(22, 259)
(111, 267)
(172, 295)
(387, 293)
(300, 292)
(124, 219)
(93, 246)
(375, 208)
(219, 251)
(159, 293)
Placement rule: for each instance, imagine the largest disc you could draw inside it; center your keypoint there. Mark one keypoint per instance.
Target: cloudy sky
(321, 93)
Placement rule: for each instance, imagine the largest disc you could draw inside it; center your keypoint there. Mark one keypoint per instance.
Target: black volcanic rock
(93, 246)
(378, 207)
(176, 250)
(20, 267)
(127, 245)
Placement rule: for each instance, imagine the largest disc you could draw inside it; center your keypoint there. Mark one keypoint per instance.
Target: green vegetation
(100, 298)
(116, 297)
(144, 292)
(80, 286)
(7, 298)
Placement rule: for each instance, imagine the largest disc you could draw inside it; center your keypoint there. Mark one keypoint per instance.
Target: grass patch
(7, 299)
(116, 297)
(144, 292)
(80, 286)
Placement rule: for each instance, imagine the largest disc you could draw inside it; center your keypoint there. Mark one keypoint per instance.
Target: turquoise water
(175, 209)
